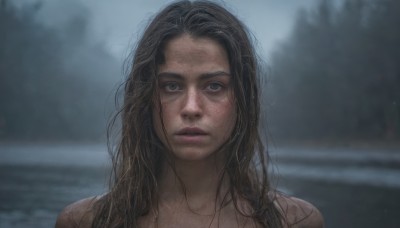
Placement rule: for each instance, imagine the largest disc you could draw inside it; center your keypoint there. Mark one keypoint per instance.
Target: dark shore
(347, 205)
(33, 190)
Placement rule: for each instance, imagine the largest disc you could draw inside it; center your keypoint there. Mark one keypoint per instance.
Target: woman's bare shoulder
(78, 214)
(299, 213)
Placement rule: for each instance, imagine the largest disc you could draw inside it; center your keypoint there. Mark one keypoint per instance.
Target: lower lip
(190, 139)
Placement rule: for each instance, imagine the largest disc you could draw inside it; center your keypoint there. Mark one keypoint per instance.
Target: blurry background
(331, 99)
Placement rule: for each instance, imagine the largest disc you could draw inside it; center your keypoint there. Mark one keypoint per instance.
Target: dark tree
(337, 76)
(53, 82)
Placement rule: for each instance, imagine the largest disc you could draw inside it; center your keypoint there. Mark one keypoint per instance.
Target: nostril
(191, 115)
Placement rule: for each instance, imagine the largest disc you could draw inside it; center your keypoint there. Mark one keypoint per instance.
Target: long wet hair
(139, 154)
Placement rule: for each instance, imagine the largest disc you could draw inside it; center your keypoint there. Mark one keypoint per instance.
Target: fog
(63, 60)
(336, 78)
(331, 101)
(330, 67)
(120, 23)
(56, 78)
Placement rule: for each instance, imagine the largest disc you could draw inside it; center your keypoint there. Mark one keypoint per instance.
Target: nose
(192, 105)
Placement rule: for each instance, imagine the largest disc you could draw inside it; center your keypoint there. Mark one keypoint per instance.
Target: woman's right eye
(171, 86)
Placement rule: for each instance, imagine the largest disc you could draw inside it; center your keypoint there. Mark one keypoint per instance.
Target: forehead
(188, 52)
(189, 43)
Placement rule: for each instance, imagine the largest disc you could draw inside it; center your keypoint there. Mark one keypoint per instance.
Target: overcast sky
(269, 20)
(118, 23)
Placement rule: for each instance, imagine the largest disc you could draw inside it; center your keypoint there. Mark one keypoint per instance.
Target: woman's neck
(194, 183)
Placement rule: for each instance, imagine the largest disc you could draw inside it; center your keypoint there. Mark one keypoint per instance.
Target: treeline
(54, 82)
(337, 77)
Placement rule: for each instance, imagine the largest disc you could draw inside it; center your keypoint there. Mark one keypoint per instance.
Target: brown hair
(139, 154)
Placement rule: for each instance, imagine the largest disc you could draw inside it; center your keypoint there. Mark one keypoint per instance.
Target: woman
(190, 153)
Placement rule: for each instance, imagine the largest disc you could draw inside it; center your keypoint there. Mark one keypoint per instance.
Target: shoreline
(348, 144)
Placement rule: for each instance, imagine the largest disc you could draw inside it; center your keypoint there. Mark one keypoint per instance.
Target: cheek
(165, 114)
(227, 117)
(232, 117)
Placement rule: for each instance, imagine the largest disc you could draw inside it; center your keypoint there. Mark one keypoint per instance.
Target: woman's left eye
(214, 87)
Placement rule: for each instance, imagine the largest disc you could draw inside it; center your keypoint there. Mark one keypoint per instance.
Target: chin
(193, 154)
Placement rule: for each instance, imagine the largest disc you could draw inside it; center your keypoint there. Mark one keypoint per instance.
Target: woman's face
(196, 97)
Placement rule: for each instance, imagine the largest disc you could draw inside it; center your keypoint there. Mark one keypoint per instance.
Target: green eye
(171, 86)
(214, 86)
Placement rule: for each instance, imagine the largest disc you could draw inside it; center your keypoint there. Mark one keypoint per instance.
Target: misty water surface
(37, 181)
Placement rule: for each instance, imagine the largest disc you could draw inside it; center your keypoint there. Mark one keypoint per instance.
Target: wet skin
(196, 98)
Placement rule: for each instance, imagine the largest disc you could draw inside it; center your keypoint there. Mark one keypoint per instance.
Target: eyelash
(220, 86)
(166, 86)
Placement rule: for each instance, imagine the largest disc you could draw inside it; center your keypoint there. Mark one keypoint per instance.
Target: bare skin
(298, 212)
(78, 214)
(199, 114)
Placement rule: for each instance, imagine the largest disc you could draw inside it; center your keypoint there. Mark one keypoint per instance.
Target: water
(370, 167)
(37, 181)
(352, 188)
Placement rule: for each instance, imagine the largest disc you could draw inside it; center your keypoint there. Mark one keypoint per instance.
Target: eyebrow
(202, 76)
